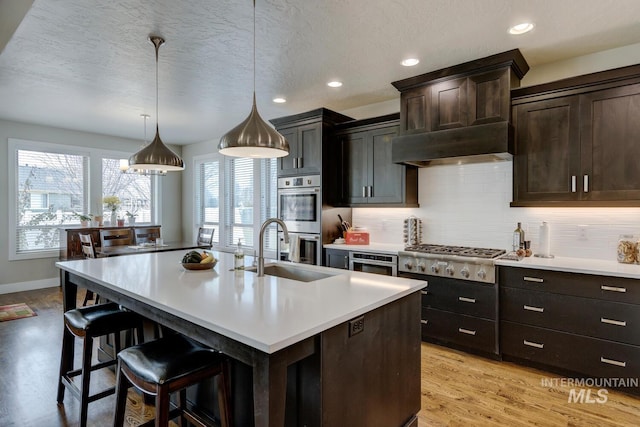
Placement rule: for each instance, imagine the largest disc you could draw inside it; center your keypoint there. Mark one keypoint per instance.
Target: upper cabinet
(577, 141)
(460, 111)
(307, 134)
(370, 178)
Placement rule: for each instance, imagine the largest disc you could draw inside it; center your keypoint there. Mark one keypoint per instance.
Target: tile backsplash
(468, 205)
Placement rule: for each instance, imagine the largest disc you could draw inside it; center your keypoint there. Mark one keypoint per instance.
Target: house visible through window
(50, 185)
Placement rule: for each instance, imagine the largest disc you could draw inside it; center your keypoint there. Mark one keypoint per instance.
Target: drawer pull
(423, 321)
(613, 288)
(466, 331)
(613, 362)
(532, 279)
(533, 344)
(424, 292)
(531, 308)
(465, 299)
(613, 322)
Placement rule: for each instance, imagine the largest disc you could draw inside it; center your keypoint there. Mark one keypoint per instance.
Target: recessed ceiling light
(410, 62)
(525, 27)
(279, 100)
(334, 83)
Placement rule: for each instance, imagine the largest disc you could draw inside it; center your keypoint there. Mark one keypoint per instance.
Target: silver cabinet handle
(613, 288)
(465, 299)
(613, 362)
(295, 163)
(573, 184)
(300, 163)
(585, 183)
(533, 344)
(370, 191)
(532, 308)
(613, 322)
(424, 292)
(424, 322)
(532, 279)
(466, 331)
(364, 191)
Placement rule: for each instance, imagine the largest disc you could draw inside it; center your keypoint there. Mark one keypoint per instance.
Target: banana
(206, 260)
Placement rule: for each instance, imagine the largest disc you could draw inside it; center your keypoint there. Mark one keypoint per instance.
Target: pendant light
(156, 156)
(253, 137)
(124, 163)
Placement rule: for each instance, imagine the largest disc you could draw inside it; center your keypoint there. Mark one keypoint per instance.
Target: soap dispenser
(238, 257)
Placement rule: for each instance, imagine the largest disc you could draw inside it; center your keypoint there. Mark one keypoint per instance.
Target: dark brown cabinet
(546, 315)
(309, 138)
(305, 149)
(576, 141)
(370, 178)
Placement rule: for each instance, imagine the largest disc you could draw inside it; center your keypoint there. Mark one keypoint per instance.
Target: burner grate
(456, 250)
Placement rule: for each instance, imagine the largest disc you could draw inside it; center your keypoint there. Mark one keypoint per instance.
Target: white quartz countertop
(383, 248)
(268, 313)
(577, 265)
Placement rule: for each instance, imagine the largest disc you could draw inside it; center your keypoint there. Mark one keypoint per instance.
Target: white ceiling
(87, 64)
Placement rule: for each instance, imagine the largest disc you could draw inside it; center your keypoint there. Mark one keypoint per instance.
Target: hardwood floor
(458, 389)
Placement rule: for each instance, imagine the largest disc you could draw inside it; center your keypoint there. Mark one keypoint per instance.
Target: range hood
(460, 114)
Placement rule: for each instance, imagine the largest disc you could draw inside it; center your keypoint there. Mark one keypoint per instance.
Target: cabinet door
(488, 97)
(610, 132)
(354, 147)
(337, 259)
(449, 104)
(309, 149)
(415, 107)
(286, 164)
(547, 159)
(384, 177)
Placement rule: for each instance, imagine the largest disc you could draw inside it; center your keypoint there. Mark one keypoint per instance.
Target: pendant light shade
(253, 137)
(156, 156)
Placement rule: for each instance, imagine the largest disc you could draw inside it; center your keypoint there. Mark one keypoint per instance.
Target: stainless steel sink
(292, 273)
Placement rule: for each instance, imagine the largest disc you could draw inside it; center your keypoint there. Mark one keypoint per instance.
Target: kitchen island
(343, 349)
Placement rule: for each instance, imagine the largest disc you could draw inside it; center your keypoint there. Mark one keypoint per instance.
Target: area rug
(15, 311)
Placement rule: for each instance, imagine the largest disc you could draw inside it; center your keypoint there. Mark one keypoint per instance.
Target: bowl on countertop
(199, 266)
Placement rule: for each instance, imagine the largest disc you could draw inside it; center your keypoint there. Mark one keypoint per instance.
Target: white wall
(469, 204)
(37, 273)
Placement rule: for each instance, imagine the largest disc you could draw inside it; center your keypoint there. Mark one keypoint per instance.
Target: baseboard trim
(31, 285)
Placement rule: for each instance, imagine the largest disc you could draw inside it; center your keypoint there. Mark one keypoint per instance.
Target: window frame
(93, 186)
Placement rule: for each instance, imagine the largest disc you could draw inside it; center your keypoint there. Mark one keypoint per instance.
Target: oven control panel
(472, 269)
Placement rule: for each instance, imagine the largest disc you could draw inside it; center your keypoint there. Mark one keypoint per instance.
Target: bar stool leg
(162, 406)
(86, 380)
(66, 360)
(224, 394)
(122, 386)
(182, 403)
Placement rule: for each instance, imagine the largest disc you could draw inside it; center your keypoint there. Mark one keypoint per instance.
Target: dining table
(270, 323)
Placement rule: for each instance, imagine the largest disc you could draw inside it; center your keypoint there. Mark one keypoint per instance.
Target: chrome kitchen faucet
(261, 241)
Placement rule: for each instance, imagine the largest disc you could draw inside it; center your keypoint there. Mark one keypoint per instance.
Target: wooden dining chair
(116, 237)
(146, 234)
(89, 251)
(205, 236)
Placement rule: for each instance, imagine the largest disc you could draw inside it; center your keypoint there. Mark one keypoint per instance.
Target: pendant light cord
(254, 49)
(157, 45)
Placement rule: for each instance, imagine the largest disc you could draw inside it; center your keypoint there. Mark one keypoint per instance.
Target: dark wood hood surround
(460, 113)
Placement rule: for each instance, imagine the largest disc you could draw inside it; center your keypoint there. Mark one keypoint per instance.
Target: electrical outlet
(582, 232)
(356, 326)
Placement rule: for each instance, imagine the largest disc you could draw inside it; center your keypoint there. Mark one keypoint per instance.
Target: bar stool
(167, 365)
(88, 323)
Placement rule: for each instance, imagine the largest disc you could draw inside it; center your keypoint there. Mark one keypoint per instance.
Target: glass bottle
(238, 257)
(518, 238)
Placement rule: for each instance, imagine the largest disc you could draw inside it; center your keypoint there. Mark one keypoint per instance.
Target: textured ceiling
(87, 64)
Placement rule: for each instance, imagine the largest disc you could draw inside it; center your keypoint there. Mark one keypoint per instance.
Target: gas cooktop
(455, 250)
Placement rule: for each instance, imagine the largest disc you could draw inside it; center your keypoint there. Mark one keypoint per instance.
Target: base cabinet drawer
(466, 331)
(591, 356)
(608, 320)
(461, 297)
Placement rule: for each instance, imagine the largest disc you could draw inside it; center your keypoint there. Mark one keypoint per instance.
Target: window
(50, 183)
(133, 190)
(249, 189)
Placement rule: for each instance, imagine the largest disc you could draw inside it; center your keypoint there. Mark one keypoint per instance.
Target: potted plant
(112, 203)
(131, 217)
(84, 218)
